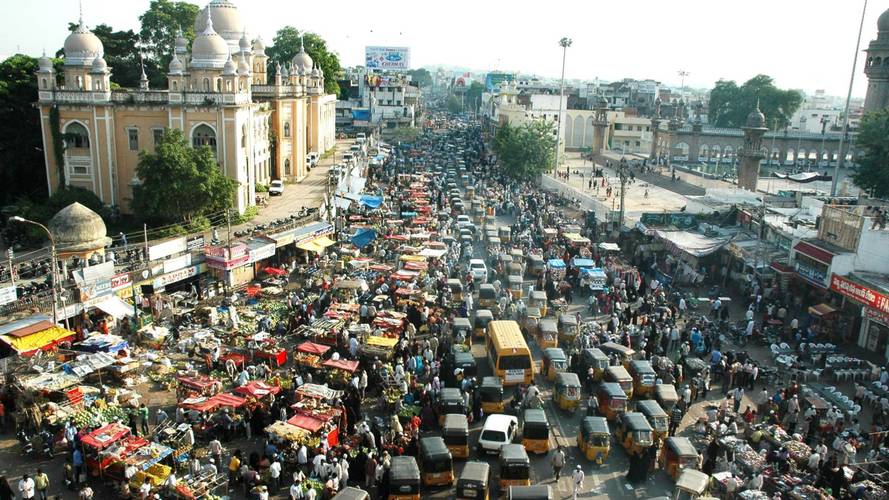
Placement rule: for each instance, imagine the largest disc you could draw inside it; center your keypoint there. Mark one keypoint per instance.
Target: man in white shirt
(577, 480)
(296, 491)
(275, 474)
(26, 487)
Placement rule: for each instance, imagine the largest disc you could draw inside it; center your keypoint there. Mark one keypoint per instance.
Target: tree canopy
(286, 44)
(180, 182)
(525, 151)
(453, 104)
(21, 139)
(474, 94)
(730, 104)
(160, 25)
(421, 77)
(873, 167)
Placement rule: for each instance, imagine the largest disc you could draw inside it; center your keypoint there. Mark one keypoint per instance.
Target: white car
(478, 269)
(499, 429)
(276, 188)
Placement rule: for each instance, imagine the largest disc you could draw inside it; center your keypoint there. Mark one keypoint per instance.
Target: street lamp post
(565, 43)
(53, 271)
(836, 173)
(623, 175)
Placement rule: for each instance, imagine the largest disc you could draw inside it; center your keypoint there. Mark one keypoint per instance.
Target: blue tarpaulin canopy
(363, 237)
(408, 214)
(556, 263)
(371, 201)
(583, 262)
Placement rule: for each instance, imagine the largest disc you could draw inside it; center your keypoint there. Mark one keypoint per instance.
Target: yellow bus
(508, 353)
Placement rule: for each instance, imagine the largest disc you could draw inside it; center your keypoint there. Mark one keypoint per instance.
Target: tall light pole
(682, 73)
(565, 43)
(52, 275)
(842, 158)
(623, 175)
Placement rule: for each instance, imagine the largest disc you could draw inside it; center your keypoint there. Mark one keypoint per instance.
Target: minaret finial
(81, 12)
(302, 47)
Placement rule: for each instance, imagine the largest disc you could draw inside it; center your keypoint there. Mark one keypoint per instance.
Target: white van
(360, 138)
(312, 159)
(498, 430)
(347, 158)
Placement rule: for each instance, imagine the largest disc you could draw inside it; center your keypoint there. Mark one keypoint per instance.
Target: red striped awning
(809, 250)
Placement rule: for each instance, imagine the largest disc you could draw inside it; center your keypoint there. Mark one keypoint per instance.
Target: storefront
(228, 263)
(812, 263)
(872, 293)
(311, 238)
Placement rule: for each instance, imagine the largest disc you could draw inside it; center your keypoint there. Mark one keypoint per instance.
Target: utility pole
(622, 169)
(565, 43)
(145, 235)
(836, 173)
(682, 73)
(11, 255)
(53, 269)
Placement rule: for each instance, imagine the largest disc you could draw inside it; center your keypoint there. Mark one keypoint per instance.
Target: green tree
(525, 151)
(421, 77)
(179, 182)
(454, 105)
(122, 56)
(160, 25)
(474, 94)
(873, 167)
(23, 171)
(286, 44)
(730, 104)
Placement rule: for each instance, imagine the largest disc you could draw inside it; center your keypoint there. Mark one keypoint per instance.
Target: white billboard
(377, 57)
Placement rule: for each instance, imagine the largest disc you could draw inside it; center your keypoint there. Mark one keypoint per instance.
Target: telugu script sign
(860, 293)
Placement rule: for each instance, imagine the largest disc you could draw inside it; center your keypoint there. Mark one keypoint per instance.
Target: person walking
(41, 483)
(577, 479)
(26, 487)
(143, 419)
(558, 461)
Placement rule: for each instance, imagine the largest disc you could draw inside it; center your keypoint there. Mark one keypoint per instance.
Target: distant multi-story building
(876, 67)
(218, 93)
(387, 99)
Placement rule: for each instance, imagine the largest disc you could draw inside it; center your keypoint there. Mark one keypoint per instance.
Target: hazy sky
(806, 44)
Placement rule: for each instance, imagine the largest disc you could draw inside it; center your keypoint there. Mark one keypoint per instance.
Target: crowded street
(447, 332)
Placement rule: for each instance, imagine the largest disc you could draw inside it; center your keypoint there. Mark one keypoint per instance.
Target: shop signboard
(121, 280)
(8, 295)
(811, 273)
(228, 265)
(377, 57)
(259, 250)
(226, 253)
(878, 316)
(860, 293)
(167, 248)
(177, 263)
(89, 293)
(177, 276)
(195, 243)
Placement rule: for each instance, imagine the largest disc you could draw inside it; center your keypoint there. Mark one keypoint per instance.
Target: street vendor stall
(340, 371)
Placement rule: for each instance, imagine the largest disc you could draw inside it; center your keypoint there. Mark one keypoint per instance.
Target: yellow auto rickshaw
(455, 432)
(536, 492)
(437, 462)
(514, 284)
(566, 392)
(611, 399)
(624, 354)
(351, 493)
(487, 296)
(491, 394)
(450, 400)
(504, 261)
(469, 193)
(480, 322)
(532, 323)
(536, 266)
(404, 478)
(535, 431)
(515, 268)
(554, 361)
(692, 484)
(568, 327)
(548, 333)
(456, 288)
(666, 396)
(634, 433)
(593, 358)
(515, 466)
(505, 233)
(644, 377)
(473, 481)
(594, 439)
(462, 329)
(538, 299)
(494, 245)
(621, 376)
(679, 453)
(656, 416)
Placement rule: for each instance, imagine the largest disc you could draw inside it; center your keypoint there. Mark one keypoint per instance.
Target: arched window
(287, 167)
(206, 85)
(203, 135)
(244, 135)
(76, 136)
(286, 129)
(175, 85)
(878, 61)
(228, 86)
(43, 83)
(219, 85)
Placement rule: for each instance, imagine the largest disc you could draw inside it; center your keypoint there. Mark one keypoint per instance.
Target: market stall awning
(306, 422)
(317, 245)
(257, 389)
(821, 310)
(694, 244)
(364, 237)
(105, 436)
(312, 348)
(556, 263)
(342, 364)
(378, 341)
(116, 307)
(434, 253)
(813, 252)
(611, 247)
(317, 391)
(31, 342)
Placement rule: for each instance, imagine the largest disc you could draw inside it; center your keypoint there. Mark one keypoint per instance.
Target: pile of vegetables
(100, 414)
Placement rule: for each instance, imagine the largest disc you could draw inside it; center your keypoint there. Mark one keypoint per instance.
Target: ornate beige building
(218, 93)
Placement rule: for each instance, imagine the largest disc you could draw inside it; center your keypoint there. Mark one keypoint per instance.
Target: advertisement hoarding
(859, 293)
(379, 57)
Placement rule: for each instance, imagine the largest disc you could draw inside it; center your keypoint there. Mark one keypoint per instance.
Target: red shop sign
(859, 293)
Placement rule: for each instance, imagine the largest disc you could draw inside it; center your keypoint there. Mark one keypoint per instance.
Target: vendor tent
(821, 310)
(317, 245)
(114, 306)
(364, 237)
(371, 201)
(610, 247)
(312, 348)
(694, 244)
(30, 335)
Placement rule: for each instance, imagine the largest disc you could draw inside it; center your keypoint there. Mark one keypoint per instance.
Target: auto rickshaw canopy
(535, 417)
(681, 447)
(619, 373)
(594, 425)
(513, 453)
(693, 481)
(475, 472)
(548, 325)
(351, 493)
(635, 421)
(612, 390)
(650, 408)
(567, 379)
(483, 317)
(666, 393)
(455, 424)
(404, 470)
(491, 385)
(434, 448)
(622, 350)
(462, 324)
(642, 367)
(535, 492)
(487, 291)
(450, 396)
(553, 354)
(455, 285)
